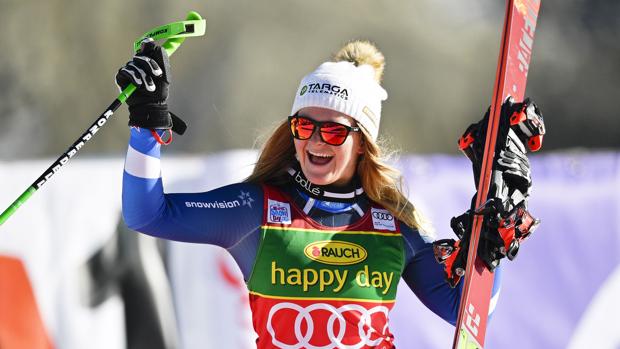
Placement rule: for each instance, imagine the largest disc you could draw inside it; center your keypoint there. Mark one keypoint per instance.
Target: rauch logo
(335, 252)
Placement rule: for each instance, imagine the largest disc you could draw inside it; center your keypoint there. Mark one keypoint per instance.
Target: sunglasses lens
(334, 134)
(331, 132)
(302, 128)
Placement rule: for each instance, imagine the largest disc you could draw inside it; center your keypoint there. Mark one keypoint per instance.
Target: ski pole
(174, 33)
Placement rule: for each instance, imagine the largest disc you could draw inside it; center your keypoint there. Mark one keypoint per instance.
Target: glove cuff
(150, 116)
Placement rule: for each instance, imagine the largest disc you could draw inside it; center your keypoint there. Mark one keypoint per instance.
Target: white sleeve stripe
(309, 205)
(141, 165)
(358, 209)
(493, 302)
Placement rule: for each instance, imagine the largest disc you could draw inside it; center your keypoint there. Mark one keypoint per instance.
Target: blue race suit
(231, 217)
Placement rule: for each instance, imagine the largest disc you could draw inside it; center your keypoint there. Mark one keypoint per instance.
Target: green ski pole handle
(174, 33)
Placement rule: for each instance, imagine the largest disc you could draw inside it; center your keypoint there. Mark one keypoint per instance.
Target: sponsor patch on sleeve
(278, 212)
(382, 219)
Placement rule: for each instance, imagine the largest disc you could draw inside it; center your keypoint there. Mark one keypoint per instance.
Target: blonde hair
(362, 52)
(381, 182)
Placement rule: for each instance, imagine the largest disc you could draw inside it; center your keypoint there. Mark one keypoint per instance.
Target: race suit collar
(347, 193)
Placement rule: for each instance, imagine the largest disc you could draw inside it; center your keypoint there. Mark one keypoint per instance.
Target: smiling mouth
(319, 159)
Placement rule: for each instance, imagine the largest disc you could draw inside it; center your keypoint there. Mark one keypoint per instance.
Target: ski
(511, 76)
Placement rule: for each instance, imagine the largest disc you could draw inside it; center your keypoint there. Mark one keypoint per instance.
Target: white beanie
(346, 88)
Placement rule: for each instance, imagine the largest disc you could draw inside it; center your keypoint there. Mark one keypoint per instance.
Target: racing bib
(322, 287)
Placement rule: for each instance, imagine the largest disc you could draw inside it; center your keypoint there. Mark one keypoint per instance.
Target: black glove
(149, 70)
(514, 165)
(520, 124)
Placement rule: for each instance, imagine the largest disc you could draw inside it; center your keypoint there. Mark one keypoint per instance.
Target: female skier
(321, 229)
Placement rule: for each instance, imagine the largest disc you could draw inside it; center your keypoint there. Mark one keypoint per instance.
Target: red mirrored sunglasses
(332, 133)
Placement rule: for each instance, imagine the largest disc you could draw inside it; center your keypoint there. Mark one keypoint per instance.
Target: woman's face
(325, 164)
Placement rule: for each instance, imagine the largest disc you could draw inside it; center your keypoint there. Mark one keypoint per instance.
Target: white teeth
(320, 155)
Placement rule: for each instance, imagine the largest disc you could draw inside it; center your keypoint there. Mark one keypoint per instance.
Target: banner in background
(560, 292)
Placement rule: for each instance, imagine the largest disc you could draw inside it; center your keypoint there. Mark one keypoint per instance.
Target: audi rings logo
(383, 216)
(366, 335)
(383, 219)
